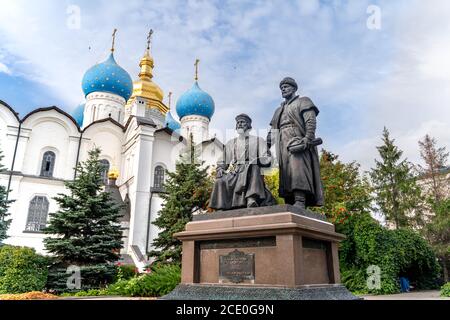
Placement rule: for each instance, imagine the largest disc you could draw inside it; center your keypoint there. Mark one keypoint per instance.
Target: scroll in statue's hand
(304, 144)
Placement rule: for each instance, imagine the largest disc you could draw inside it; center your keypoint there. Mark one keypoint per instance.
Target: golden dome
(144, 87)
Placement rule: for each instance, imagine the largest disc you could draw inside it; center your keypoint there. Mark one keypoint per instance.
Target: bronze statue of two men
(239, 181)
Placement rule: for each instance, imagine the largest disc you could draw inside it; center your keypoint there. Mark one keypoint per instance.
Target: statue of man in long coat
(243, 185)
(293, 129)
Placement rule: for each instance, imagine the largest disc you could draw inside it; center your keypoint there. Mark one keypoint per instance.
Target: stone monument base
(236, 292)
(279, 252)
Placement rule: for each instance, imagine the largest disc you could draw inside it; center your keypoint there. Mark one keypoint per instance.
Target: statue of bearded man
(243, 184)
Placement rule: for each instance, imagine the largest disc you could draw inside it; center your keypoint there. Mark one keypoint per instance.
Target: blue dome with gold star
(195, 102)
(108, 76)
(172, 123)
(78, 114)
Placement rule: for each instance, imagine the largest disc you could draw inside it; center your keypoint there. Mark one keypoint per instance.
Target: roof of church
(172, 123)
(195, 102)
(78, 114)
(108, 76)
(16, 114)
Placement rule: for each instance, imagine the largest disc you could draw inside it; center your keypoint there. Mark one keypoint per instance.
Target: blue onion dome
(78, 114)
(108, 76)
(172, 123)
(195, 102)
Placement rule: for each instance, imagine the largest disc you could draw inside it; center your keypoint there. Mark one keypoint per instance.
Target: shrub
(126, 272)
(397, 253)
(21, 270)
(445, 290)
(162, 280)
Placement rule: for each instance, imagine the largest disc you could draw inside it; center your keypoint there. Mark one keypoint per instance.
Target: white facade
(196, 125)
(101, 105)
(135, 147)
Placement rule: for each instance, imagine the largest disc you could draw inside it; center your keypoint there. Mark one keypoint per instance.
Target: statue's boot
(300, 199)
(251, 203)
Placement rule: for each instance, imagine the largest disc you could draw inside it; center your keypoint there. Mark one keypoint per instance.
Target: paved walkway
(419, 295)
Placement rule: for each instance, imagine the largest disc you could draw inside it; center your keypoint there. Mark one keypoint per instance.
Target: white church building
(138, 137)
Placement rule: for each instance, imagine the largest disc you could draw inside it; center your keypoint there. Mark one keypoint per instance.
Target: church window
(37, 214)
(159, 177)
(48, 164)
(105, 169)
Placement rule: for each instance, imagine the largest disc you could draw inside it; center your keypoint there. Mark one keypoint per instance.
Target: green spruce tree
(86, 230)
(397, 193)
(187, 190)
(4, 206)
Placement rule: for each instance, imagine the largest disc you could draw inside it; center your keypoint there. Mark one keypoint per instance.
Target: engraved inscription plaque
(237, 266)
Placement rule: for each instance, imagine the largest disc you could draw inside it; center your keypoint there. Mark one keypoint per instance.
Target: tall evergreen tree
(396, 189)
(436, 181)
(187, 190)
(4, 206)
(86, 230)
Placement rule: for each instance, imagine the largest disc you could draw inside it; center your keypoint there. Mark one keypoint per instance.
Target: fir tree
(4, 206)
(436, 182)
(396, 189)
(187, 190)
(86, 230)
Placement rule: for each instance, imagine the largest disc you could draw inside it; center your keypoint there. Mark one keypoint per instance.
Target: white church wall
(198, 126)
(143, 143)
(23, 190)
(211, 152)
(102, 105)
(109, 138)
(49, 131)
(166, 152)
(157, 203)
(8, 134)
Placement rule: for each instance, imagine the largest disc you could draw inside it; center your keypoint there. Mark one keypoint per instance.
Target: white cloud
(4, 69)
(361, 80)
(413, 98)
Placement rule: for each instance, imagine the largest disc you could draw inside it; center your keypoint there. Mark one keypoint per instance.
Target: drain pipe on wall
(78, 156)
(13, 160)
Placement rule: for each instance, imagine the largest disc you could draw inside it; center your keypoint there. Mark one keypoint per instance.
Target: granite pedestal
(279, 252)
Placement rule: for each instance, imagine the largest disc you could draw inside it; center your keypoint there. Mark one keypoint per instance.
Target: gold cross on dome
(113, 39)
(149, 39)
(170, 98)
(196, 69)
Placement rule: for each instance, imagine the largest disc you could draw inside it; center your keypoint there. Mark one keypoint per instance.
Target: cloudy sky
(362, 72)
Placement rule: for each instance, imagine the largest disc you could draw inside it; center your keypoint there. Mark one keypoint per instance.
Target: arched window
(105, 169)
(37, 214)
(159, 177)
(48, 164)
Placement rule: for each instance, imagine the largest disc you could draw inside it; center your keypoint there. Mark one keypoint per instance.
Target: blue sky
(361, 79)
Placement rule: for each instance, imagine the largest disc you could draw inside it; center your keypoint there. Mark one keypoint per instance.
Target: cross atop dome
(149, 39)
(197, 61)
(113, 39)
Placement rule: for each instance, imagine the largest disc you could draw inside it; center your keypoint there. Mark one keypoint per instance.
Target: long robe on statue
(244, 156)
(293, 121)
